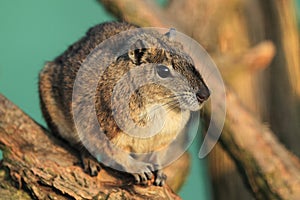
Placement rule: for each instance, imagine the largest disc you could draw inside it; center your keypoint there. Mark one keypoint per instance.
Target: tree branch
(268, 167)
(149, 13)
(46, 168)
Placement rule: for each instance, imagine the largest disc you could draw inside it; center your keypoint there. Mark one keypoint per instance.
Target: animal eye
(163, 71)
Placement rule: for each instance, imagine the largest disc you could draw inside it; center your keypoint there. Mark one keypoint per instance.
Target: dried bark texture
(46, 168)
(268, 168)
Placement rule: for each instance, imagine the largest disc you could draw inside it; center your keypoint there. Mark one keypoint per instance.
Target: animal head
(165, 73)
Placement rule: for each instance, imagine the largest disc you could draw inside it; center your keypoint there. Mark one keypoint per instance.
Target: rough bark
(268, 168)
(44, 167)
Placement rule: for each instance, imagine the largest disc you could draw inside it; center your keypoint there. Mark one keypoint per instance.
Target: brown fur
(57, 80)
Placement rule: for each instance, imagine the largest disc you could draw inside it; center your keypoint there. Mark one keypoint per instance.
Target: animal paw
(148, 174)
(144, 172)
(159, 178)
(143, 178)
(90, 165)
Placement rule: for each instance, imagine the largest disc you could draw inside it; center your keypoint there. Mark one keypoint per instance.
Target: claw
(149, 175)
(142, 178)
(160, 178)
(90, 165)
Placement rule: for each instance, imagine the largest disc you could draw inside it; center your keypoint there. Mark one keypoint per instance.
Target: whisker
(165, 105)
(170, 108)
(152, 111)
(173, 97)
(173, 102)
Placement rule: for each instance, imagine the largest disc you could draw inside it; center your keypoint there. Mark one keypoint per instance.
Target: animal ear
(171, 34)
(137, 52)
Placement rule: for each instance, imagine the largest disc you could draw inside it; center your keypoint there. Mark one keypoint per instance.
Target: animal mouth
(189, 103)
(194, 101)
(200, 100)
(202, 95)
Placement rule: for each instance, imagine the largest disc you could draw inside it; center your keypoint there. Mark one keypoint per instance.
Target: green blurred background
(33, 32)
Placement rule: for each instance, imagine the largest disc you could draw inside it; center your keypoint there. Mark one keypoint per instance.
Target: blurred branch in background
(243, 36)
(256, 46)
(283, 76)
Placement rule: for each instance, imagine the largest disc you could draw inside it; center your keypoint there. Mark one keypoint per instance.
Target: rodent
(56, 81)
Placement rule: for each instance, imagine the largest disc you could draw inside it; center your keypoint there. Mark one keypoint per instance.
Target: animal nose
(202, 95)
